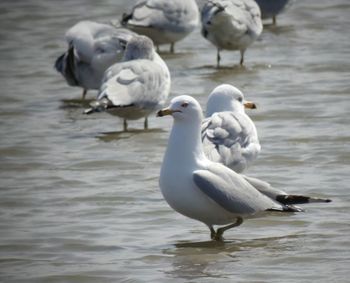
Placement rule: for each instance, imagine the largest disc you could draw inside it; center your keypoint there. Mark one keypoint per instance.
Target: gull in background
(92, 48)
(163, 21)
(135, 87)
(229, 136)
(208, 191)
(270, 9)
(231, 24)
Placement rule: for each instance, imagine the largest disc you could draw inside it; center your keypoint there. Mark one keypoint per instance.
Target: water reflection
(119, 135)
(75, 103)
(279, 29)
(193, 260)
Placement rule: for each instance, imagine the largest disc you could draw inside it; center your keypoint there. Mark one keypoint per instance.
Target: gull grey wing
(279, 195)
(230, 139)
(223, 128)
(264, 187)
(154, 13)
(143, 14)
(173, 12)
(231, 191)
(137, 82)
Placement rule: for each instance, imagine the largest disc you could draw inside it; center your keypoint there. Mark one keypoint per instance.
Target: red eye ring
(185, 104)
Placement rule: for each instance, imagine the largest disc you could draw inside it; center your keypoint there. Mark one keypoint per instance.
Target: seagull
(208, 191)
(270, 9)
(92, 48)
(229, 136)
(135, 87)
(162, 20)
(231, 24)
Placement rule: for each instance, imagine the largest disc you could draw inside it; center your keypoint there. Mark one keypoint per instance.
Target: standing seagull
(229, 136)
(137, 86)
(270, 9)
(231, 24)
(207, 191)
(92, 48)
(162, 20)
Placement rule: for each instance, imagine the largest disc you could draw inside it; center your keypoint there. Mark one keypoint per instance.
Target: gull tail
(125, 18)
(287, 208)
(59, 63)
(298, 199)
(97, 106)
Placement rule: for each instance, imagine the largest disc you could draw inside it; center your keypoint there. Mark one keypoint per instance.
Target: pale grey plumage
(135, 87)
(92, 48)
(227, 190)
(231, 24)
(229, 136)
(207, 191)
(162, 20)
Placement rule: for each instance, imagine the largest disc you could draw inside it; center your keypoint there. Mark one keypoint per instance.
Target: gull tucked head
(226, 97)
(183, 107)
(139, 47)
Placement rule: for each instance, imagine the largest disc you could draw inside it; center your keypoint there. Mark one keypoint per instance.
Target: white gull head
(226, 97)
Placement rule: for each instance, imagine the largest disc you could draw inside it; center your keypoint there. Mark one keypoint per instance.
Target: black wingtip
(59, 63)
(125, 18)
(297, 199)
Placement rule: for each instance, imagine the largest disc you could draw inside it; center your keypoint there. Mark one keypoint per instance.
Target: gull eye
(184, 105)
(240, 99)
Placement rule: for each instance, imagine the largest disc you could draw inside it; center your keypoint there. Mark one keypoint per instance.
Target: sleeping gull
(229, 136)
(208, 191)
(135, 87)
(270, 9)
(92, 48)
(162, 20)
(231, 24)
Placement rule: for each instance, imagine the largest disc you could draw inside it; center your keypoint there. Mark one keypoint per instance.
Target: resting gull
(231, 24)
(92, 48)
(135, 87)
(208, 191)
(162, 20)
(229, 136)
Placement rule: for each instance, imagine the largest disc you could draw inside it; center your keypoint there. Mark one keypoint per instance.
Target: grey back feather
(231, 191)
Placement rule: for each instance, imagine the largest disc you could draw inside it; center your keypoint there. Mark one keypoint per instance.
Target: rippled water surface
(79, 200)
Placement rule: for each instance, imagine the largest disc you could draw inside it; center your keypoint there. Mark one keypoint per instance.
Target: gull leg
(125, 125)
(145, 124)
(84, 94)
(172, 49)
(242, 57)
(274, 20)
(218, 58)
(212, 232)
(220, 231)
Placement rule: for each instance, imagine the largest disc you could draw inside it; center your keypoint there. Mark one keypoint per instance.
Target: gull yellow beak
(249, 105)
(164, 112)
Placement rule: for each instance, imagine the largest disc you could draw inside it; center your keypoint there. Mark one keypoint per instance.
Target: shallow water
(79, 200)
